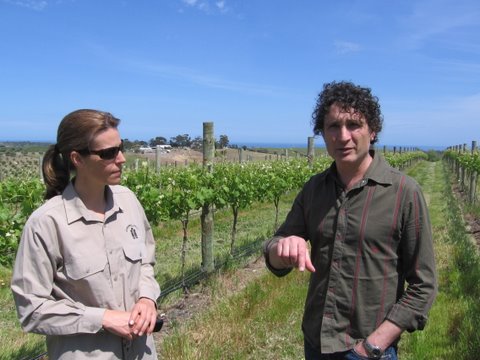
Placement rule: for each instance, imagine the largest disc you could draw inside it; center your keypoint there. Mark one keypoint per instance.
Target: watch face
(376, 351)
(373, 351)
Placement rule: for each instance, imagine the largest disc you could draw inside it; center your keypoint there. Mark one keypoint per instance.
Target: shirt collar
(377, 171)
(75, 209)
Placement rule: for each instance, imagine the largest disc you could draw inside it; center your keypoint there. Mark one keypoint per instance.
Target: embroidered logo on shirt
(132, 229)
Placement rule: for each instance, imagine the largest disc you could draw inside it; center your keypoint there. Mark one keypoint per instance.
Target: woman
(83, 275)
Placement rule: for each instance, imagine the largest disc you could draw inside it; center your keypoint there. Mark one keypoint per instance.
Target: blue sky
(254, 67)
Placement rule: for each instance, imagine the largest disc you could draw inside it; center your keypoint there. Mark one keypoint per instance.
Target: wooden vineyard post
(208, 264)
(463, 170)
(40, 170)
(157, 159)
(458, 149)
(310, 150)
(473, 178)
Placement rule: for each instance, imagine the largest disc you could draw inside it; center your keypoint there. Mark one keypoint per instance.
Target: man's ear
(372, 136)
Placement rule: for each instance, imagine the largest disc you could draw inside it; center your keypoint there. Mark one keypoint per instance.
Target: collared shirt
(366, 244)
(71, 266)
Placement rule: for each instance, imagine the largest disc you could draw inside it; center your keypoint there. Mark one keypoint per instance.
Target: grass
(261, 322)
(14, 343)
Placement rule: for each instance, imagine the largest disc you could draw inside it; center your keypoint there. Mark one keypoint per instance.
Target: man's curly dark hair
(348, 96)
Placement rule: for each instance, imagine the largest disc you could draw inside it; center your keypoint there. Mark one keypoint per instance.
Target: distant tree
(159, 140)
(222, 142)
(181, 141)
(133, 145)
(140, 143)
(127, 144)
(197, 143)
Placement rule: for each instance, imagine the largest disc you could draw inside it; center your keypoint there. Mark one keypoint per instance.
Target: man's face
(347, 137)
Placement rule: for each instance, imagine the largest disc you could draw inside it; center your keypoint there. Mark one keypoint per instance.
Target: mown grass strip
(262, 322)
(451, 331)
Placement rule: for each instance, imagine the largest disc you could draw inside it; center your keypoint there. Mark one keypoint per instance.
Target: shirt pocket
(135, 250)
(83, 267)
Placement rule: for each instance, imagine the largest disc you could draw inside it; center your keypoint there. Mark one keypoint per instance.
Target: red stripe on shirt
(363, 224)
(380, 314)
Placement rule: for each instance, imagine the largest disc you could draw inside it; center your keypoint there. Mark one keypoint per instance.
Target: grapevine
(175, 193)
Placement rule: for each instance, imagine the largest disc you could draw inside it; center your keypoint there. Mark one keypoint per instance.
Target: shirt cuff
(266, 254)
(403, 318)
(92, 320)
(149, 294)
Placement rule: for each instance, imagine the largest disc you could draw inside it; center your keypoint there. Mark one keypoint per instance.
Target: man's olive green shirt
(372, 250)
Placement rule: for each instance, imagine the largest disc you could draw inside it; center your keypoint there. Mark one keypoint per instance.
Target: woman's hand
(117, 322)
(143, 317)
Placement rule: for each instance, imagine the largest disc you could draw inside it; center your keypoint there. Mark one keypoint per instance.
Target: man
(370, 235)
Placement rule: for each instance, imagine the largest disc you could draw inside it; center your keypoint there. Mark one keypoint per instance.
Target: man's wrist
(373, 351)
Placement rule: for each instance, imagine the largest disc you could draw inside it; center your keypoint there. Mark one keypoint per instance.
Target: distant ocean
(320, 143)
(273, 145)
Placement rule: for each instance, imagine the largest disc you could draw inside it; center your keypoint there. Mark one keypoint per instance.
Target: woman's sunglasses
(105, 154)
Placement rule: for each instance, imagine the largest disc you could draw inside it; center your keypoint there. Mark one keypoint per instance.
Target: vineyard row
(174, 193)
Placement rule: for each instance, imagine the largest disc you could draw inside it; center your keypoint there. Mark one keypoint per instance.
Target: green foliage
(261, 322)
(18, 199)
(400, 160)
(469, 161)
(433, 155)
(174, 193)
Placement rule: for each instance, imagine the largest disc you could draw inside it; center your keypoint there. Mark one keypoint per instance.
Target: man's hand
(143, 317)
(293, 251)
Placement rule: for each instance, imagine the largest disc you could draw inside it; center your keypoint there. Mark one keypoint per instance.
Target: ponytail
(56, 171)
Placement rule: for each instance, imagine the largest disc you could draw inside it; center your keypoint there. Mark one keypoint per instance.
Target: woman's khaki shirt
(71, 267)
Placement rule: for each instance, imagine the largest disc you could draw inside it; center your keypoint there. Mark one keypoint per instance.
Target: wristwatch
(373, 351)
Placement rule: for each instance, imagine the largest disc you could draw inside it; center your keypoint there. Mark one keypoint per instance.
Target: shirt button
(115, 278)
